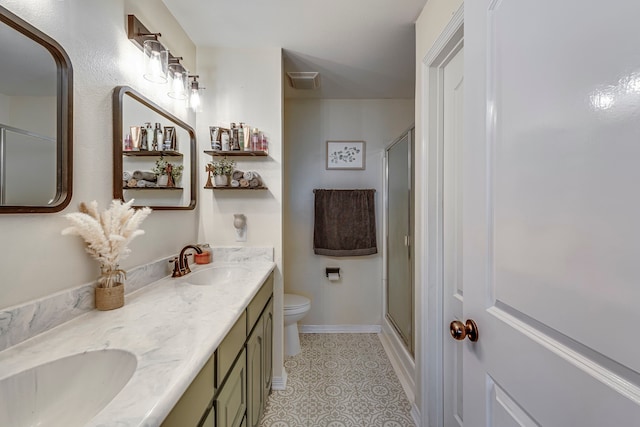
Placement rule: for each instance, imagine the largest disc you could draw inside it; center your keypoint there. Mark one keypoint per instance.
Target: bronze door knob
(459, 331)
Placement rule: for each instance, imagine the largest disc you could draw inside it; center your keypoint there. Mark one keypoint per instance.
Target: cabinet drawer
(231, 403)
(194, 401)
(230, 347)
(259, 301)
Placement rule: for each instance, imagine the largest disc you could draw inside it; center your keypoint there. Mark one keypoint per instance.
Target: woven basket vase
(110, 298)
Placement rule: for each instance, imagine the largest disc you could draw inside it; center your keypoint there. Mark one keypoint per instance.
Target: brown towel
(237, 175)
(344, 223)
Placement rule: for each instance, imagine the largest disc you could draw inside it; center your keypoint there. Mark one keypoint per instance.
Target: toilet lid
(292, 301)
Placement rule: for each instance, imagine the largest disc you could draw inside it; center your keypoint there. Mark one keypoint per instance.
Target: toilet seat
(294, 302)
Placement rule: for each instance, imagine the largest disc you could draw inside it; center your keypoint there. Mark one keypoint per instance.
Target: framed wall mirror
(154, 154)
(36, 119)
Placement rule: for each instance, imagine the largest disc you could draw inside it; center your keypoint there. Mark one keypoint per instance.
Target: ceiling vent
(304, 80)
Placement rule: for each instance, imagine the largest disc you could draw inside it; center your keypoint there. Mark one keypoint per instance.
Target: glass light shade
(195, 103)
(156, 61)
(178, 81)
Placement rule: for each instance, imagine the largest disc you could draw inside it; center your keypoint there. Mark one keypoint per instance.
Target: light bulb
(179, 81)
(194, 101)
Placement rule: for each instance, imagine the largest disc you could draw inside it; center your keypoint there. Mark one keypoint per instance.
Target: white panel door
(551, 233)
(452, 107)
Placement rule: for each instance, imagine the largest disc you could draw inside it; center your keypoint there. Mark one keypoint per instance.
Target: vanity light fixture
(160, 66)
(195, 103)
(156, 57)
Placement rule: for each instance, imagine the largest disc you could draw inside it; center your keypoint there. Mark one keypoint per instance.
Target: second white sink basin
(65, 392)
(218, 275)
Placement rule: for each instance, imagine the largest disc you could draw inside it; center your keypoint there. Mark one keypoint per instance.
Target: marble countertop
(171, 326)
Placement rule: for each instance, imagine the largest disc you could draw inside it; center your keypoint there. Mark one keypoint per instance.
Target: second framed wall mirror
(154, 154)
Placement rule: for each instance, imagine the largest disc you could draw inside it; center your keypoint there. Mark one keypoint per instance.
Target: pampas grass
(107, 234)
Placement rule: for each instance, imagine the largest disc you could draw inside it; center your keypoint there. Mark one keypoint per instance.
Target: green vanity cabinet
(232, 388)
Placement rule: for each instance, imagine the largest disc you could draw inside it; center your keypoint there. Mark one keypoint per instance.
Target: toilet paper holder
(330, 270)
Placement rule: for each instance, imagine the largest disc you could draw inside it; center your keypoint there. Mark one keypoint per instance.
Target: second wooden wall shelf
(236, 153)
(236, 188)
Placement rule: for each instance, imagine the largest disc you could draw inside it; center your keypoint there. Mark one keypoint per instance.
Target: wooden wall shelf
(151, 153)
(236, 153)
(153, 188)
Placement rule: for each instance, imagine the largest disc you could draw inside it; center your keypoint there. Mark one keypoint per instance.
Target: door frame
(431, 206)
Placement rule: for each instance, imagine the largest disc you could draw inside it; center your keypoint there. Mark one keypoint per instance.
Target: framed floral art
(345, 155)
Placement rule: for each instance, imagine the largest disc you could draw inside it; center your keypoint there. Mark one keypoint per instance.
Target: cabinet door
(231, 403)
(255, 351)
(267, 348)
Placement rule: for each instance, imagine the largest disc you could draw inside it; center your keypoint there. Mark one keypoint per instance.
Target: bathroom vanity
(198, 351)
(231, 389)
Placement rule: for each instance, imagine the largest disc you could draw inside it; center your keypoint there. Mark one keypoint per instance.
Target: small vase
(221, 180)
(163, 180)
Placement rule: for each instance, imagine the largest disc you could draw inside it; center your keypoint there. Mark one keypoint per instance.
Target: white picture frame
(346, 155)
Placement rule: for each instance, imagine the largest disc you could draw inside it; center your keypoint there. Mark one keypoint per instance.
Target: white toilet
(295, 308)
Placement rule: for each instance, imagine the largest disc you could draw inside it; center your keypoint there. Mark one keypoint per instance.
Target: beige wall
(356, 299)
(245, 85)
(432, 21)
(35, 260)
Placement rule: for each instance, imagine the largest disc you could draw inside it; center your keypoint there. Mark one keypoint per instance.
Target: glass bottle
(255, 138)
(147, 139)
(240, 137)
(157, 138)
(232, 129)
(264, 144)
(235, 142)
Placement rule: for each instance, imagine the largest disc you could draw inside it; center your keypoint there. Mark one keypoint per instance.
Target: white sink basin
(65, 392)
(219, 275)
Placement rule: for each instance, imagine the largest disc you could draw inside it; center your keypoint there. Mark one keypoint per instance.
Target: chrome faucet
(181, 265)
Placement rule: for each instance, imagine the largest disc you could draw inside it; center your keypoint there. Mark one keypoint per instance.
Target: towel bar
(345, 189)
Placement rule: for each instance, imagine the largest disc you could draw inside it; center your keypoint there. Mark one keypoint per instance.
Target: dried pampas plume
(107, 234)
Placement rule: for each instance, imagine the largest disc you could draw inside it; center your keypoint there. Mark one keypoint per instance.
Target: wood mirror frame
(190, 167)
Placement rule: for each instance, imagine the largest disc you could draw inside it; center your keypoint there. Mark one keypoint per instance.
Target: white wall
(35, 259)
(245, 85)
(432, 21)
(4, 108)
(357, 298)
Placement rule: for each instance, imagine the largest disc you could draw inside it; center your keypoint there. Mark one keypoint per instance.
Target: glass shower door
(399, 277)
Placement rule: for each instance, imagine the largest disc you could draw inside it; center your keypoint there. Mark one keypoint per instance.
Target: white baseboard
(279, 383)
(340, 329)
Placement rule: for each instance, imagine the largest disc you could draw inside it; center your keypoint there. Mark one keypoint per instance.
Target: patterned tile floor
(339, 380)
